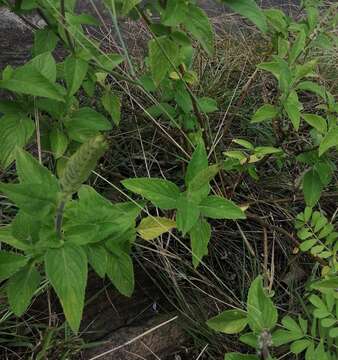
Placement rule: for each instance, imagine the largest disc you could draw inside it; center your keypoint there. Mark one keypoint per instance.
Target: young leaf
(10, 263)
(66, 268)
(15, 131)
(200, 235)
(330, 140)
(216, 207)
(292, 107)
(21, 287)
(265, 112)
(58, 142)
(162, 193)
(151, 227)
(163, 53)
(85, 123)
(30, 81)
(187, 214)
(198, 24)
(75, 70)
(298, 47)
(198, 162)
(262, 313)
(312, 187)
(250, 10)
(120, 271)
(316, 121)
(229, 322)
(112, 104)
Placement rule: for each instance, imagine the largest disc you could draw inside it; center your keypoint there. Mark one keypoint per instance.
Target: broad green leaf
(120, 271)
(183, 98)
(298, 47)
(15, 130)
(66, 268)
(246, 144)
(58, 142)
(45, 40)
(163, 54)
(151, 227)
(187, 214)
(98, 259)
(203, 178)
(281, 337)
(86, 123)
(112, 104)
(10, 263)
(7, 237)
(198, 162)
(109, 61)
(175, 13)
(280, 69)
(21, 287)
(262, 313)
(128, 5)
(265, 112)
(229, 322)
(207, 105)
(300, 345)
(312, 87)
(277, 19)
(333, 332)
(162, 193)
(217, 207)
(312, 187)
(316, 121)
(250, 10)
(200, 235)
(37, 199)
(251, 339)
(45, 64)
(75, 70)
(30, 171)
(82, 19)
(238, 356)
(292, 107)
(330, 140)
(30, 81)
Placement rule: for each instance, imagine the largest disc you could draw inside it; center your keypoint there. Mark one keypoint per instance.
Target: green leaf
(207, 105)
(203, 178)
(109, 61)
(229, 322)
(45, 64)
(85, 123)
(217, 207)
(37, 199)
(75, 70)
(98, 259)
(330, 140)
(30, 81)
(58, 142)
(298, 47)
(10, 263)
(292, 107)
(30, 171)
(112, 104)
(246, 144)
(153, 226)
(175, 13)
(128, 5)
(280, 69)
(162, 193)
(265, 112)
(250, 339)
(21, 287)
(312, 187)
(163, 54)
(200, 235)
(250, 10)
(262, 314)
(45, 40)
(281, 337)
(120, 271)
(333, 332)
(198, 162)
(238, 356)
(312, 87)
(198, 24)
(66, 268)
(316, 121)
(277, 19)
(187, 214)
(299, 346)
(7, 237)
(15, 130)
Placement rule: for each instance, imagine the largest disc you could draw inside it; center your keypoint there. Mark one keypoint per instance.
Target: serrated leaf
(21, 287)
(10, 263)
(112, 104)
(187, 214)
(200, 235)
(217, 207)
(58, 142)
(45, 40)
(229, 322)
(97, 258)
(198, 162)
(75, 70)
(153, 226)
(66, 268)
(175, 13)
(162, 193)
